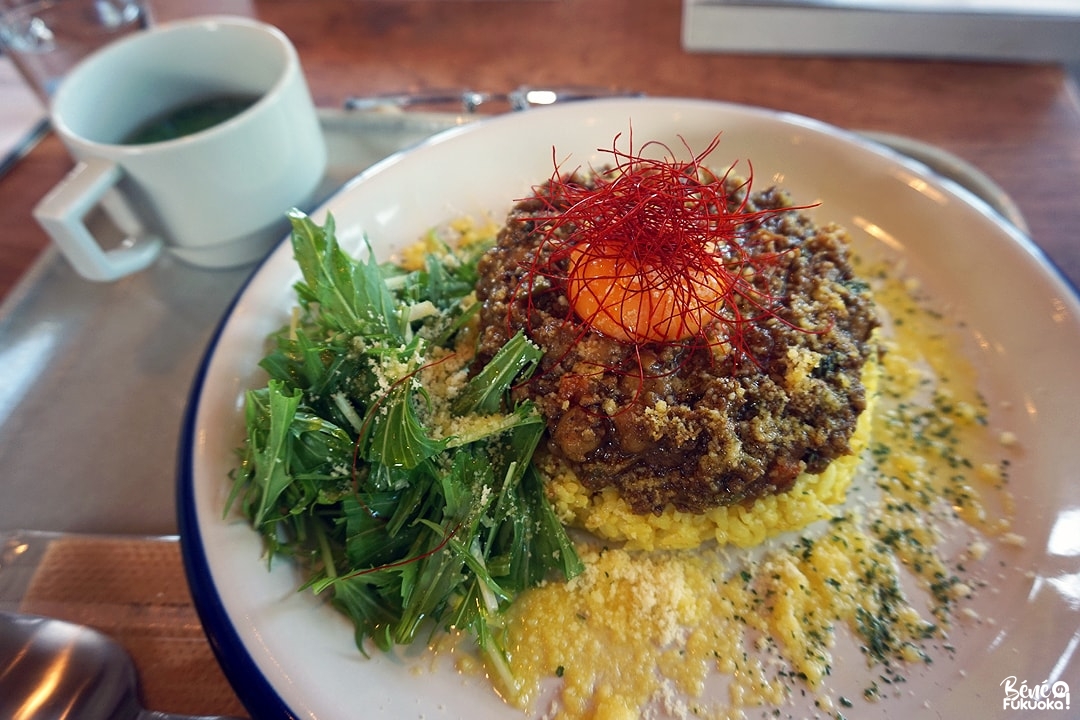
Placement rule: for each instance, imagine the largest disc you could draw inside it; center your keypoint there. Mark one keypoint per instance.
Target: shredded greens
(341, 469)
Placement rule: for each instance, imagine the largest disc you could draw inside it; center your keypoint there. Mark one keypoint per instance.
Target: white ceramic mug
(214, 198)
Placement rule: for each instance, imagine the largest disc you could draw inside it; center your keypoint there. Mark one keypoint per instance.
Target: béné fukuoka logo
(1040, 696)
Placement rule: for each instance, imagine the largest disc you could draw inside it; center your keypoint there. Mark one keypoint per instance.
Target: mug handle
(62, 214)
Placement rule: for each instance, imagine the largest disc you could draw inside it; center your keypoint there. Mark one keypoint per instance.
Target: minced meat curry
(697, 425)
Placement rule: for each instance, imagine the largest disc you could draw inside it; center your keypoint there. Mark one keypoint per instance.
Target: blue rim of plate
(253, 689)
(256, 693)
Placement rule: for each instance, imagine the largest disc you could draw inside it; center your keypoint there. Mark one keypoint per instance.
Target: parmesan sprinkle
(647, 631)
(714, 617)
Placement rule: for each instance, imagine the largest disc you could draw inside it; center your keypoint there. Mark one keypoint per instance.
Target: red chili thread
(669, 240)
(356, 482)
(407, 561)
(653, 250)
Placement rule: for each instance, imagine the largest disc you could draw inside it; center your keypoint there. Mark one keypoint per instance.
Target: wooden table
(1018, 123)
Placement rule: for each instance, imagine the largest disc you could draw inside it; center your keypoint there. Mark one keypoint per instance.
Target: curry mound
(670, 444)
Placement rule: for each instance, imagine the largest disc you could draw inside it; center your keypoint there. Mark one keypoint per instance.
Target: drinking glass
(46, 38)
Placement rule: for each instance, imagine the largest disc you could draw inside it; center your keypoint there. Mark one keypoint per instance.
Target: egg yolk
(618, 297)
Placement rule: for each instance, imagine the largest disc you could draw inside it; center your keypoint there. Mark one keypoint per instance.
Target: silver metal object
(56, 670)
(472, 101)
(24, 145)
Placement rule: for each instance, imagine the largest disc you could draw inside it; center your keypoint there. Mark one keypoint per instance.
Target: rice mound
(608, 516)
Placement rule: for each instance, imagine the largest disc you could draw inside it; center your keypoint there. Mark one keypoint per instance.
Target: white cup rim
(217, 197)
(90, 64)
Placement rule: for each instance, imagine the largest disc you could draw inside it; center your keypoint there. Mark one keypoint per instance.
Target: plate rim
(253, 688)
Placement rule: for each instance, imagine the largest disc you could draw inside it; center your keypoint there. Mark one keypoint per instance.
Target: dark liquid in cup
(189, 119)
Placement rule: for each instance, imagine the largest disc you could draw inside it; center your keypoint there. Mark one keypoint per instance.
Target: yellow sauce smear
(647, 632)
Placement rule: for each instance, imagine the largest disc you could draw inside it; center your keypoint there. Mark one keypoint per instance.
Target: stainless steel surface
(96, 375)
(471, 101)
(56, 670)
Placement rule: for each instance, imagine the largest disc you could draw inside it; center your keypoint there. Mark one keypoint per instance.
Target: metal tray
(96, 375)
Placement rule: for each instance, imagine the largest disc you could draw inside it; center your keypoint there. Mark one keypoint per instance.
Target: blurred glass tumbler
(46, 38)
(195, 137)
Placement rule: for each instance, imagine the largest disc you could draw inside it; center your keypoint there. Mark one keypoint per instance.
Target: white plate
(288, 655)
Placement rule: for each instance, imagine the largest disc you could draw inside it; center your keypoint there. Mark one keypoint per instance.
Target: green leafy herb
(343, 471)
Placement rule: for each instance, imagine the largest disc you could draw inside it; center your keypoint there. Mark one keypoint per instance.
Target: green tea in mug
(189, 119)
